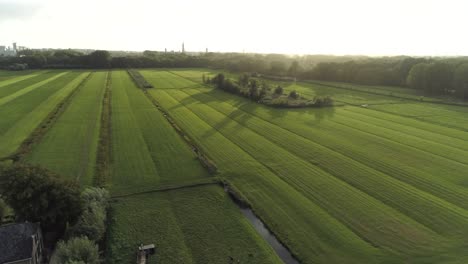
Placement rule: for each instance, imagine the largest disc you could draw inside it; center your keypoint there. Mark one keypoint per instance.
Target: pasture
(378, 178)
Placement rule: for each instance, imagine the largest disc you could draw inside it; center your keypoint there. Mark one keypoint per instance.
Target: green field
(379, 178)
(23, 110)
(69, 148)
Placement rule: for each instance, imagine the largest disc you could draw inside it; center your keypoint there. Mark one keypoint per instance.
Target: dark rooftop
(16, 241)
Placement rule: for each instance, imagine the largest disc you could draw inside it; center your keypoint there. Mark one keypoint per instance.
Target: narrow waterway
(281, 250)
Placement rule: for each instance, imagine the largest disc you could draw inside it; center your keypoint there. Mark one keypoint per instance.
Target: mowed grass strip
(165, 80)
(444, 115)
(69, 147)
(193, 225)
(309, 231)
(167, 159)
(133, 169)
(7, 81)
(21, 116)
(416, 204)
(25, 90)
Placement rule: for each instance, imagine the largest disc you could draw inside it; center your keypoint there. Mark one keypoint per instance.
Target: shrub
(279, 90)
(76, 250)
(92, 223)
(293, 94)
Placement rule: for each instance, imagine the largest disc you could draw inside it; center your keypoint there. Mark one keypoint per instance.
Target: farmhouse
(21, 243)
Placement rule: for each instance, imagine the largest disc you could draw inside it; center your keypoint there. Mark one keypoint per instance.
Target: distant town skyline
(340, 27)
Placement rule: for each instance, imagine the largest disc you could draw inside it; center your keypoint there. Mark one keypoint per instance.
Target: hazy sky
(372, 27)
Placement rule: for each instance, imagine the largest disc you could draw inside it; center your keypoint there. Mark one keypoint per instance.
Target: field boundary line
(169, 187)
(39, 132)
(104, 148)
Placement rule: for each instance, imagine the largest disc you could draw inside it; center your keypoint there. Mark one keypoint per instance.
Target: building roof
(16, 241)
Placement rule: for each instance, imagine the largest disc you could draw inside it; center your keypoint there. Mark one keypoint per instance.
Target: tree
(417, 76)
(76, 250)
(99, 59)
(439, 78)
(279, 90)
(461, 81)
(38, 195)
(92, 222)
(293, 69)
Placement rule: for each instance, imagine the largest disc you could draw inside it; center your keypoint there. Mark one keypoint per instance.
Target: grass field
(69, 148)
(191, 225)
(23, 113)
(388, 174)
(381, 183)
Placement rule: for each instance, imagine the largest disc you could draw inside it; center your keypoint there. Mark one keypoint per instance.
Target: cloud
(17, 10)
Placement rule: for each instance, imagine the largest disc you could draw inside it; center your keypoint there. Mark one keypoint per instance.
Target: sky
(340, 27)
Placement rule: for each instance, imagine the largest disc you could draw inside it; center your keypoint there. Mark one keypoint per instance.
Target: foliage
(279, 90)
(76, 250)
(93, 219)
(3, 209)
(38, 195)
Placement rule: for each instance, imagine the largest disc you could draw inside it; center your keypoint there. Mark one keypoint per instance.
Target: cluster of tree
(260, 91)
(81, 245)
(38, 195)
(436, 78)
(246, 86)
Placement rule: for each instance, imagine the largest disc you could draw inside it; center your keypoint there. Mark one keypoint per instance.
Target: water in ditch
(281, 250)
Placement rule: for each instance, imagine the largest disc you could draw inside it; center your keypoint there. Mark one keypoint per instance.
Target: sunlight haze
(296, 27)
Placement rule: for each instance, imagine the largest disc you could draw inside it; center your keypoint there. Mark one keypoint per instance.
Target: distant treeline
(434, 76)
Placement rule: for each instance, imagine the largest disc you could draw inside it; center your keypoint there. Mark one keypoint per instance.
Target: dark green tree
(461, 81)
(38, 195)
(99, 59)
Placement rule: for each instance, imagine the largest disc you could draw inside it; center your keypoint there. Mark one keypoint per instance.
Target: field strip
(104, 149)
(420, 123)
(17, 135)
(318, 184)
(423, 119)
(270, 191)
(379, 181)
(430, 132)
(130, 153)
(28, 89)
(450, 154)
(18, 79)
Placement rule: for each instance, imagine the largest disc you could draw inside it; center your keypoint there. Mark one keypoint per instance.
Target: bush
(293, 94)
(279, 90)
(76, 250)
(92, 223)
(38, 195)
